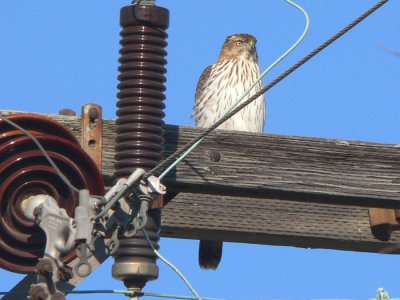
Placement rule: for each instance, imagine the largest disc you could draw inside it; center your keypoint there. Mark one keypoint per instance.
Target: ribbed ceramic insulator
(139, 140)
(140, 107)
(25, 172)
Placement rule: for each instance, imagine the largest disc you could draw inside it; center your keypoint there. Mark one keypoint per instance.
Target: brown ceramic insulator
(135, 262)
(24, 171)
(140, 106)
(139, 141)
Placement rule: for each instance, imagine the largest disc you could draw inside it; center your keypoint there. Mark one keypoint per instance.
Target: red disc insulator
(24, 171)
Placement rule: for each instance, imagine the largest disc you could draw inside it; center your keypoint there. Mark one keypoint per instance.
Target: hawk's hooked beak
(251, 47)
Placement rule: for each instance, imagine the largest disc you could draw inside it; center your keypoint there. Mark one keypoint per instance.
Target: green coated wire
(121, 292)
(176, 296)
(277, 61)
(172, 266)
(142, 294)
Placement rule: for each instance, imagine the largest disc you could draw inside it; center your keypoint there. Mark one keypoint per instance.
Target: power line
(172, 266)
(157, 169)
(124, 292)
(277, 61)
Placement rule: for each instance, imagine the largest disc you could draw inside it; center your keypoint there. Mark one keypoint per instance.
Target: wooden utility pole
(273, 189)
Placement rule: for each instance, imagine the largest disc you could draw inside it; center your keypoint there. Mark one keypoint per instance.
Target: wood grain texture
(263, 187)
(291, 168)
(273, 222)
(262, 190)
(275, 166)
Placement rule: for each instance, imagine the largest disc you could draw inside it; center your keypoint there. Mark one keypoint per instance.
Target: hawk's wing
(199, 102)
(202, 81)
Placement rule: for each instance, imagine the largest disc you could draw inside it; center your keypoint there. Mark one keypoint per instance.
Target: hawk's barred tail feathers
(210, 254)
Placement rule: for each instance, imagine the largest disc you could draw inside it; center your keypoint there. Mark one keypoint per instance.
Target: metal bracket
(383, 222)
(55, 223)
(92, 132)
(46, 289)
(121, 212)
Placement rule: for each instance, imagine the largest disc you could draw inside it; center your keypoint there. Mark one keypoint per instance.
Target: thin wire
(240, 99)
(172, 266)
(123, 292)
(41, 148)
(196, 140)
(176, 296)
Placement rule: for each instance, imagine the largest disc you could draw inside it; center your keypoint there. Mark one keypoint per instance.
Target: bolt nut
(58, 296)
(38, 293)
(65, 273)
(44, 267)
(214, 156)
(37, 211)
(93, 113)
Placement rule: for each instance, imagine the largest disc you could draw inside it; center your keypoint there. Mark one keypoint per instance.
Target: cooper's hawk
(219, 86)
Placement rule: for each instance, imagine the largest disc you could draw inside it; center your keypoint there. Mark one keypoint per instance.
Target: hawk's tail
(210, 253)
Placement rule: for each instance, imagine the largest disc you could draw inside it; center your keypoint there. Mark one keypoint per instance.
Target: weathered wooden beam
(273, 222)
(275, 166)
(252, 179)
(271, 169)
(291, 168)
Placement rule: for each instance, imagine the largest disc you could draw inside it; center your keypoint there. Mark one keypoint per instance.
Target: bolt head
(44, 267)
(93, 113)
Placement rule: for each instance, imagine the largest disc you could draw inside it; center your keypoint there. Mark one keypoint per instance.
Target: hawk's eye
(239, 43)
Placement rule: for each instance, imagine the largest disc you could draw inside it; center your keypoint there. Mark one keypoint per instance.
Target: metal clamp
(55, 223)
(140, 220)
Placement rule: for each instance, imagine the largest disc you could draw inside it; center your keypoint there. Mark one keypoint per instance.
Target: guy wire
(196, 140)
(277, 61)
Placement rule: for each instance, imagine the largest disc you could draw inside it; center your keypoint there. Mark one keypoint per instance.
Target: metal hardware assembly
(95, 218)
(25, 173)
(39, 210)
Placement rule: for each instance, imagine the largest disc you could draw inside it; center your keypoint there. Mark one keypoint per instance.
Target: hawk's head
(237, 45)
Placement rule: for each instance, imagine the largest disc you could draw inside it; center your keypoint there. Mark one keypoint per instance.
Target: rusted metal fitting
(383, 222)
(67, 112)
(93, 114)
(46, 288)
(92, 132)
(44, 268)
(38, 292)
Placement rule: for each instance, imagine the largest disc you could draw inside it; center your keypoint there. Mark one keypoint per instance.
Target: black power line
(166, 162)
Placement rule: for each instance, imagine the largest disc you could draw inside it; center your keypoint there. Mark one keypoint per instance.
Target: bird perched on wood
(219, 87)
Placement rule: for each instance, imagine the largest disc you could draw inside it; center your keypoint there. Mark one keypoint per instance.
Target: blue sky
(62, 54)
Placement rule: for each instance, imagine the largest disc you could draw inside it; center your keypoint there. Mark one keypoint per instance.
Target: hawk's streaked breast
(228, 80)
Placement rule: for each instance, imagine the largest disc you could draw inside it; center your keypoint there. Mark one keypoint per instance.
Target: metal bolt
(44, 267)
(58, 296)
(38, 293)
(37, 211)
(93, 113)
(67, 112)
(214, 156)
(65, 273)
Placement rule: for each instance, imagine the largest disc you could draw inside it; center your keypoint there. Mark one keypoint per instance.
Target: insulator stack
(140, 107)
(136, 261)
(25, 172)
(139, 140)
